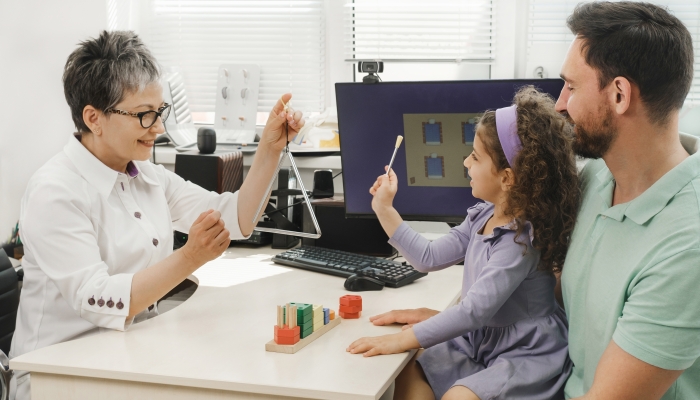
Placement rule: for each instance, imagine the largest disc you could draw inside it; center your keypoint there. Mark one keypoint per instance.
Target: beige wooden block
(317, 311)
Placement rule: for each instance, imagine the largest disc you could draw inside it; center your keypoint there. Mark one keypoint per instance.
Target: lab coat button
(137, 215)
(91, 301)
(110, 303)
(100, 302)
(155, 242)
(120, 305)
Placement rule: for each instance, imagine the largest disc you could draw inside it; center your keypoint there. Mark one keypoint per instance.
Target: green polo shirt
(632, 274)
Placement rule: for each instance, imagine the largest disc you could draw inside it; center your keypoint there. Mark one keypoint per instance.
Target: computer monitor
(437, 120)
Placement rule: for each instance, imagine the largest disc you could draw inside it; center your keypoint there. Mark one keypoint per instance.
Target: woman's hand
(208, 238)
(387, 344)
(275, 134)
(409, 317)
(384, 191)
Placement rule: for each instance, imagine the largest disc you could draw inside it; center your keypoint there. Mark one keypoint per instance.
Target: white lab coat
(87, 230)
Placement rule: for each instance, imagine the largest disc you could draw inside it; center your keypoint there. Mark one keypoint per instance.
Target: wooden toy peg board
(291, 349)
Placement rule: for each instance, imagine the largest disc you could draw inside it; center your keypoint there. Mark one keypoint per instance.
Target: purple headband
(507, 128)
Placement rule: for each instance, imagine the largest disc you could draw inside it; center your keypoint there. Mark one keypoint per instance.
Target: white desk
(213, 346)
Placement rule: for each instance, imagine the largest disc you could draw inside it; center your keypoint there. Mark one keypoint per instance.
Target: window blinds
(547, 32)
(286, 38)
(419, 30)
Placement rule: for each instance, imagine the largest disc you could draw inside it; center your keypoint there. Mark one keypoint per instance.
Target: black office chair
(9, 301)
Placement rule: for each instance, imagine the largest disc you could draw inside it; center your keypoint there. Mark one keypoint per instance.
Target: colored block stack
(318, 317)
(304, 318)
(287, 331)
(350, 307)
(297, 321)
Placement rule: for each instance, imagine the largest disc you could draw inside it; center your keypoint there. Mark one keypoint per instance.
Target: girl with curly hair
(507, 338)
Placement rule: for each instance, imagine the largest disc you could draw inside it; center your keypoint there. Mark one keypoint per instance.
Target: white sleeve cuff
(107, 306)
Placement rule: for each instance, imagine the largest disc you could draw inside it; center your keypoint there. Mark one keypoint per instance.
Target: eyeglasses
(146, 118)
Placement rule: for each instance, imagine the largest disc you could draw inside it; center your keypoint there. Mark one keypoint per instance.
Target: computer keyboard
(340, 263)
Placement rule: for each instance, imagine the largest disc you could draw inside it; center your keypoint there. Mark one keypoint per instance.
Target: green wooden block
(303, 310)
(308, 318)
(306, 325)
(307, 332)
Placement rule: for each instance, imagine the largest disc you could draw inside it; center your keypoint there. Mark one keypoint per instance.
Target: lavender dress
(507, 338)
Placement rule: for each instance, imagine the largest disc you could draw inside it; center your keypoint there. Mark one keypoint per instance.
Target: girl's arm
(506, 269)
(421, 253)
(383, 192)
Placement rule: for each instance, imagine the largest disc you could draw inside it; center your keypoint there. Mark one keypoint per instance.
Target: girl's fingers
(354, 344)
(372, 352)
(360, 346)
(376, 317)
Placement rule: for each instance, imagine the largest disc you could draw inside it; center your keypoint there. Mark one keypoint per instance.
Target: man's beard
(593, 136)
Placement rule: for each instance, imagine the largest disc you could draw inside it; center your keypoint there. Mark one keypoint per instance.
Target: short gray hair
(100, 72)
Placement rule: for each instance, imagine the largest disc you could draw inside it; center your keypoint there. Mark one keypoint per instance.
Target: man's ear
(507, 179)
(91, 117)
(621, 94)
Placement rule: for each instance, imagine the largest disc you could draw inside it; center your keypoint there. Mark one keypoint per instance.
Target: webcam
(371, 67)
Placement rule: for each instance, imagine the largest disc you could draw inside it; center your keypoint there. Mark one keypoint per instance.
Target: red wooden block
(349, 315)
(349, 309)
(287, 340)
(351, 300)
(287, 332)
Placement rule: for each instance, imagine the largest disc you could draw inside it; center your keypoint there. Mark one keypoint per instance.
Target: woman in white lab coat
(97, 219)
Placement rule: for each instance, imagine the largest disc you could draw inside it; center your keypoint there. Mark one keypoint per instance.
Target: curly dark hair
(545, 191)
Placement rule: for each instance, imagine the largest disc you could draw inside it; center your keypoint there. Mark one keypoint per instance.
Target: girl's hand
(387, 344)
(384, 191)
(208, 238)
(275, 135)
(409, 317)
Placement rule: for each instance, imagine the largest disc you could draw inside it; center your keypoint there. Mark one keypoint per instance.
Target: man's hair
(100, 72)
(641, 42)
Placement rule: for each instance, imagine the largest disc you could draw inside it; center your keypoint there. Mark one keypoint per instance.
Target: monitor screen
(437, 121)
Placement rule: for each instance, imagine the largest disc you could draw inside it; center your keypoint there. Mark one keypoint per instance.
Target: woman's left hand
(275, 134)
(387, 344)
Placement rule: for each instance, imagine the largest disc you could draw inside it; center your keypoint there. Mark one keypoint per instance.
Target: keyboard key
(311, 261)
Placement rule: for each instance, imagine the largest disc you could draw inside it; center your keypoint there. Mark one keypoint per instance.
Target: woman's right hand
(384, 191)
(208, 238)
(408, 317)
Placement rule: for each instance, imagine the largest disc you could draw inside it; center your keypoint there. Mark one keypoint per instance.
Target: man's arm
(620, 376)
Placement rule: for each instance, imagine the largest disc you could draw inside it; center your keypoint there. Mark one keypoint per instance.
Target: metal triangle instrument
(306, 201)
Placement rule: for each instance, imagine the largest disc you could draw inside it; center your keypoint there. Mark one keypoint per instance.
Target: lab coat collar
(95, 172)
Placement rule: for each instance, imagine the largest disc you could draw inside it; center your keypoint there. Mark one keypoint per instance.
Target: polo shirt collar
(653, 200)
(95, 172)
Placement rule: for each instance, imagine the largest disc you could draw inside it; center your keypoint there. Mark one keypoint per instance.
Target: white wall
(36, 37)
